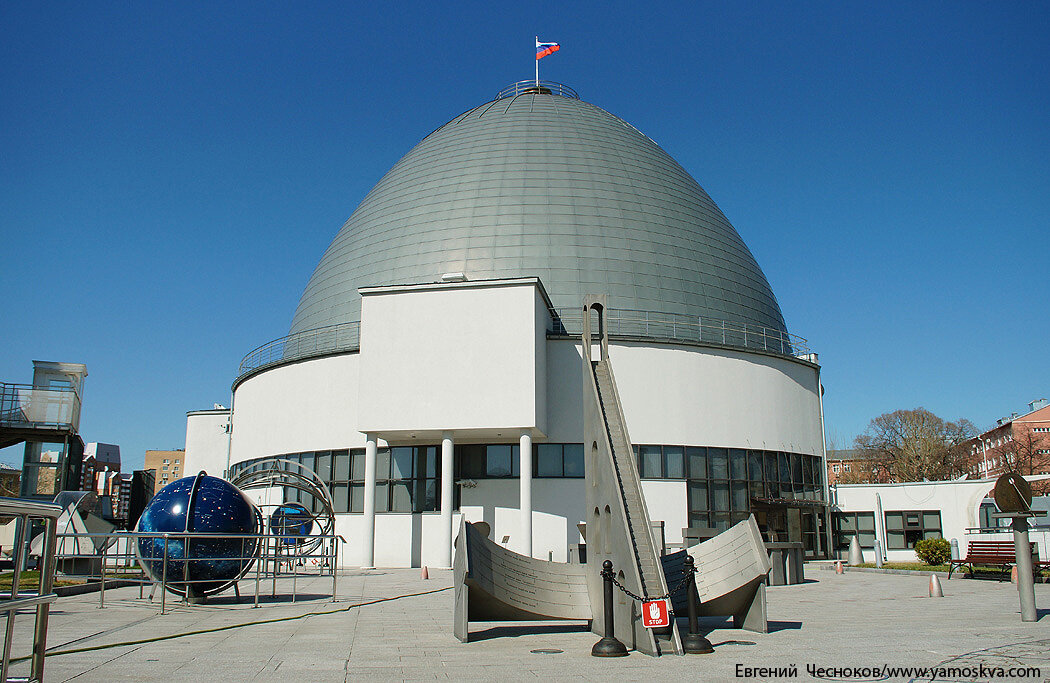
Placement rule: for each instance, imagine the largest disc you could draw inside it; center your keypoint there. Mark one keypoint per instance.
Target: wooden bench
(992, 554)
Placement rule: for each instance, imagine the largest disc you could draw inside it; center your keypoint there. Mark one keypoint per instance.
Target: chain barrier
(670, 593)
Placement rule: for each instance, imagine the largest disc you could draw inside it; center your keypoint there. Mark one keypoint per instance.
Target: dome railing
(621, 322)
(321, 341)
(542, 88)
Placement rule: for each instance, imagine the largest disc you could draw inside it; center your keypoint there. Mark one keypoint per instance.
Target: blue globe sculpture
(198, 565)
(292, 522)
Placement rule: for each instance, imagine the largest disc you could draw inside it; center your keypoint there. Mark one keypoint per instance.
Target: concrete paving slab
(390, 625)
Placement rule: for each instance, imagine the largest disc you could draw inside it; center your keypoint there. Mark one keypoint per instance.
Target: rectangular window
(697, 462)
(548, 460)
(845, 525)
(674, 462)
(719, 460)
(905, 528)
(573, 459)
(651, 462)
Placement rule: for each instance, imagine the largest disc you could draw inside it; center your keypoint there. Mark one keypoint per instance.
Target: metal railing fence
(678, 326)
(172, 564)
(622, 322)
(27, 406)
(320, 341)
(25, 514)
(544, 88)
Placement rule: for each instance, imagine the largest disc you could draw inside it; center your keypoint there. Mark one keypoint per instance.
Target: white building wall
(454, 357)
(206, 443)
(958, 501)
(686, 395)
(667, 502)
(305, 406)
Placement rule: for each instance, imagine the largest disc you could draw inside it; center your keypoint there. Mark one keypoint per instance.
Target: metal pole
(164, 577)
(1025, 581)
(102, 579)
(47, 577)
(258, 570)
(694, 643)
(335, 560)
(9, 631)
(608, 646)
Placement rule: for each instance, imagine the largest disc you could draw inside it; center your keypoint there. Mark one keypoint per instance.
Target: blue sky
(170, 174)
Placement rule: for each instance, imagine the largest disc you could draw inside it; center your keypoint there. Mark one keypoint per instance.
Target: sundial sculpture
(1013, 497)
(493, 583)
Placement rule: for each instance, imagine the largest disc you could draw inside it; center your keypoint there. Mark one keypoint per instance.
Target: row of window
(720, 485)
(904, 528)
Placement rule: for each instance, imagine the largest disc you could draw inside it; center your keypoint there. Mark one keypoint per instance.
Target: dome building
(435, 352)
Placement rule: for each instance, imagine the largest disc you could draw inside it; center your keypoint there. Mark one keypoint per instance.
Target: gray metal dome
(544, 184)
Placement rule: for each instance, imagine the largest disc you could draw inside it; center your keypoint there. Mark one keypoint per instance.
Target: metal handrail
(26, 405)
(320, 341)
(24, 511)
(541, 87)
(622, 322)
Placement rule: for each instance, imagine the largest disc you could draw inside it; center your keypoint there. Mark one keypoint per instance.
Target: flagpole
(537, 65)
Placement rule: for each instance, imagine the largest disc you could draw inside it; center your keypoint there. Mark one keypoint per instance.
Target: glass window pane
(807, 469)
(341, 497)
(341, 468)
(756, 489)
(739, 493)
(699, 520)
(719, 460)
(847, 521)
(674, 462)
(573, 459)
(357, 469)
(548, 460)
(432, 466)
(651, 462)
(894, 520)
(737, 463)
(796, 467)
(754, 465)
(429, 500)
(401, 462)
(895, 540)
(931, 520)
(323, 465)
(719, 495)
(698, 496)
(498, 461)
(357, 497)
(771, 466)
(697, 462)
(382, 497)
(471, 461)
(401, 496)
(866, 521)
(784, 468)
(720, 520)
(307, 460)
(382, 465)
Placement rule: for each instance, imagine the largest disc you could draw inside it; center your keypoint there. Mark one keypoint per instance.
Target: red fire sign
(655, 614)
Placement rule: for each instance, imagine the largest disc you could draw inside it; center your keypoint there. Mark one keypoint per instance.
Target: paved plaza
(391, 625)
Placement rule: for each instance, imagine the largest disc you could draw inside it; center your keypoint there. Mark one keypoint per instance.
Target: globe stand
(195, 598)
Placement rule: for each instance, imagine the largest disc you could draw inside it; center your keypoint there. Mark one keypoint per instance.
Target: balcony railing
(620, 322)
(322, 341)
(346, 337)
(543, 88)
(24, 406)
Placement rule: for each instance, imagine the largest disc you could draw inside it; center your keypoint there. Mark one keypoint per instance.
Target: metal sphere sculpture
(197, 512)
(292, 522)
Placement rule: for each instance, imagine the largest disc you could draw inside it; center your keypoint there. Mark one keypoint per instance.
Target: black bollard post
(608, 646)
(694, 643)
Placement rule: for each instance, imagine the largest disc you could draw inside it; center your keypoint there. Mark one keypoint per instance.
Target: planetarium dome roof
(540, 183)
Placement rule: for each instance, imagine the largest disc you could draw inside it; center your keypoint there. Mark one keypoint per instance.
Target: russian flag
(544, 49)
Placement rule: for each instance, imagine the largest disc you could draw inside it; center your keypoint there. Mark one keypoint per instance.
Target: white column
(368, 529)
(447, 481)
(525, 494)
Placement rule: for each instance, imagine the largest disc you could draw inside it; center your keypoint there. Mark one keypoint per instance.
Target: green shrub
(934, 550)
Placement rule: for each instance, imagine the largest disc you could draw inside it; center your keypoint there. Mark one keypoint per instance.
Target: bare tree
(1027, 452)
(916, 445)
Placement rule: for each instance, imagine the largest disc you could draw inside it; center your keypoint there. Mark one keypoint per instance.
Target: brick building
(1020, 443)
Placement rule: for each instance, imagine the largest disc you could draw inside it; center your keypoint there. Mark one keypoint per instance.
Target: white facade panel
(310, 405)
(451, 357)
(206, 442)
(667, 503)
